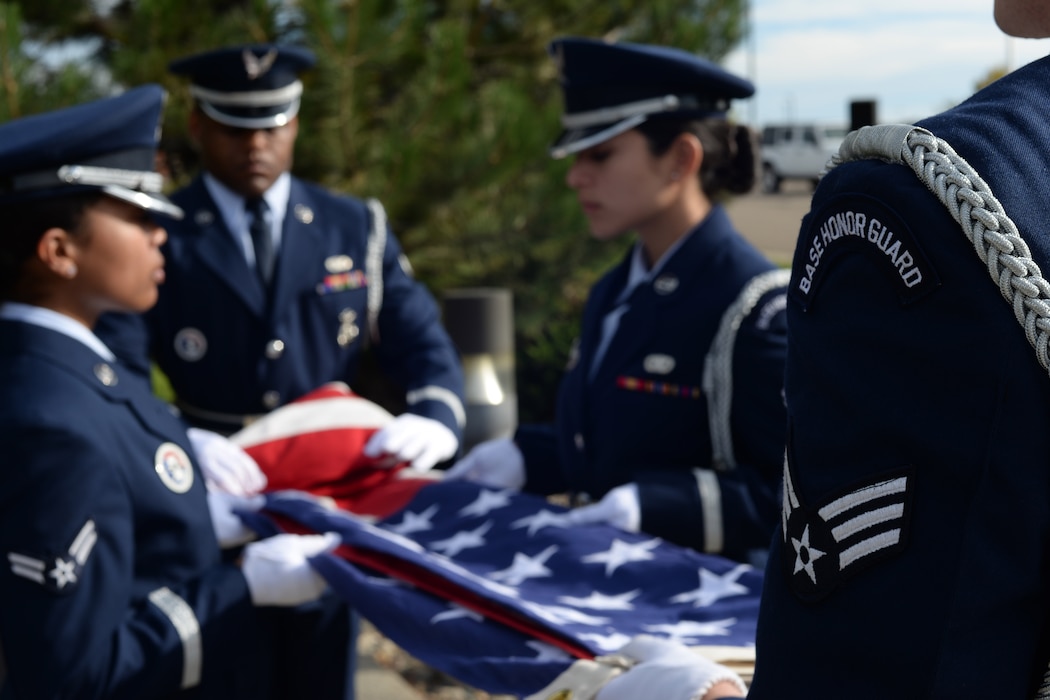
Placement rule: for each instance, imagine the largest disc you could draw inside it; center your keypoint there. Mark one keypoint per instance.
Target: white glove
(226, 466)
(422, 441)
(230, 530)
(496, 463)
(277, 570)
(620, 507)
(667, 670)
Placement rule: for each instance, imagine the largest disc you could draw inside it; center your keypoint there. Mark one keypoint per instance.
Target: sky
(810, 58)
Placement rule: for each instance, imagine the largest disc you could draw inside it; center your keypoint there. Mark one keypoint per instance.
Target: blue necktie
(262, 239)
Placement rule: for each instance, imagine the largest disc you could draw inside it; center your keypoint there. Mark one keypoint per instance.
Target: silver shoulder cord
(971, 203)
(718, 365)
(374, 265)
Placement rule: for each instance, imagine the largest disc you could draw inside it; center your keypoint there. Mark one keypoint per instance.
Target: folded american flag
(494, 587)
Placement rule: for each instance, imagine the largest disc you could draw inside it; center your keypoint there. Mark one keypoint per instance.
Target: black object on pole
(861, 113)
(480, 322)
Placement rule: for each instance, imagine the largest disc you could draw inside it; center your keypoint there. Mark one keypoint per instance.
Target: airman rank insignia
(845, 535)
(174, 468)
(190, 344)
(58, 574)
(203, 217)
(860, 225)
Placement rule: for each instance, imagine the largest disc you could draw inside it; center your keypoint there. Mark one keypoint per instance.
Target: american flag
(496, 589)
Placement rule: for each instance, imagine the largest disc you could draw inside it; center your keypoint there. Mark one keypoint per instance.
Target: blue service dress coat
(231, 349)
(915, 557)
(112, 584)
(644, 416)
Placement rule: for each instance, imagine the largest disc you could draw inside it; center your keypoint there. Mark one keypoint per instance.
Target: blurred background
(444, 109)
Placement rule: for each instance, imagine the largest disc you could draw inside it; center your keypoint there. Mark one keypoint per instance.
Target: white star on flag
(600, 601)
(525, 567)
(487, 501)
(714, 587)
(540, 520)
(462, 540)
(415, 522)
(621, 553)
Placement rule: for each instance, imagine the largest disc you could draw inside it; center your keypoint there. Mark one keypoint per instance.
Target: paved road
(771, 221)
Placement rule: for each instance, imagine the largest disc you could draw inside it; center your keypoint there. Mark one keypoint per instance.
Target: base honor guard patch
(841, 537)
(859, 225)
(61, 573)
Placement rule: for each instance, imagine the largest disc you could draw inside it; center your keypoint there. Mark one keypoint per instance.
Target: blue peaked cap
(610, 88)
(108, 145)
(253, 86)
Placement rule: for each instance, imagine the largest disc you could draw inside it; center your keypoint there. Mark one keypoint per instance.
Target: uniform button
(271, 399)
(274, 349)
(578, 440)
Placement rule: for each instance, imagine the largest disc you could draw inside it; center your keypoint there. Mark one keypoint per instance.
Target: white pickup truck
(797, 151)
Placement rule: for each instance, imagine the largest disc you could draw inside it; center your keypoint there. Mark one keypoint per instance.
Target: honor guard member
(275, 285)
(913, 560)
(112, 581)
(670, 415)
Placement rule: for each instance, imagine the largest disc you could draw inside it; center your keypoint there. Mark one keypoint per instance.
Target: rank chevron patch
(61, 573)
(844, 535)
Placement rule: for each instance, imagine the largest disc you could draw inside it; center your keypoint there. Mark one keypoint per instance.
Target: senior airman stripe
(840, 538)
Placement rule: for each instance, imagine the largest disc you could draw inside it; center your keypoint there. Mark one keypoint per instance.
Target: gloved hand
(410, 438)
(230, 530)
(619, 507)
(497, 463)
(277, 570)
(225, 465)
(669, 671)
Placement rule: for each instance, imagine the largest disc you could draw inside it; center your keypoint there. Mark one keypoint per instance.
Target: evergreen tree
(443, 109)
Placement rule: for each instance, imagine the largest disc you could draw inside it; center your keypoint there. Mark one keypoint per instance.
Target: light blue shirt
(231, 208)
(46, 318)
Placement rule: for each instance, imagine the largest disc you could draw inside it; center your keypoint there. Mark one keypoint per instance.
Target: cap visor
(252, 117)
(149, 201)
(576, 140)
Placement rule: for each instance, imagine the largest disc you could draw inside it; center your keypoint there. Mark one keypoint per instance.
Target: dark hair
(23, 223)
(729, 151)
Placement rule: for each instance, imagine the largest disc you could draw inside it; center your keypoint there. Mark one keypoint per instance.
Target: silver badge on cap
(658, 364)
(190, 344)
(255, 66)
(665, 284)
(174, 468)
(303, 213)
(338, 263)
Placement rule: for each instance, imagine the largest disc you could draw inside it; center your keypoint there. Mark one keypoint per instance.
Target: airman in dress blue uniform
(112, 581)
(261, 307)
(913, 559)
(671, 411)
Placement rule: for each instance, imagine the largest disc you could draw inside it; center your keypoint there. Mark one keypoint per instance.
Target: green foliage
(444, 109)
